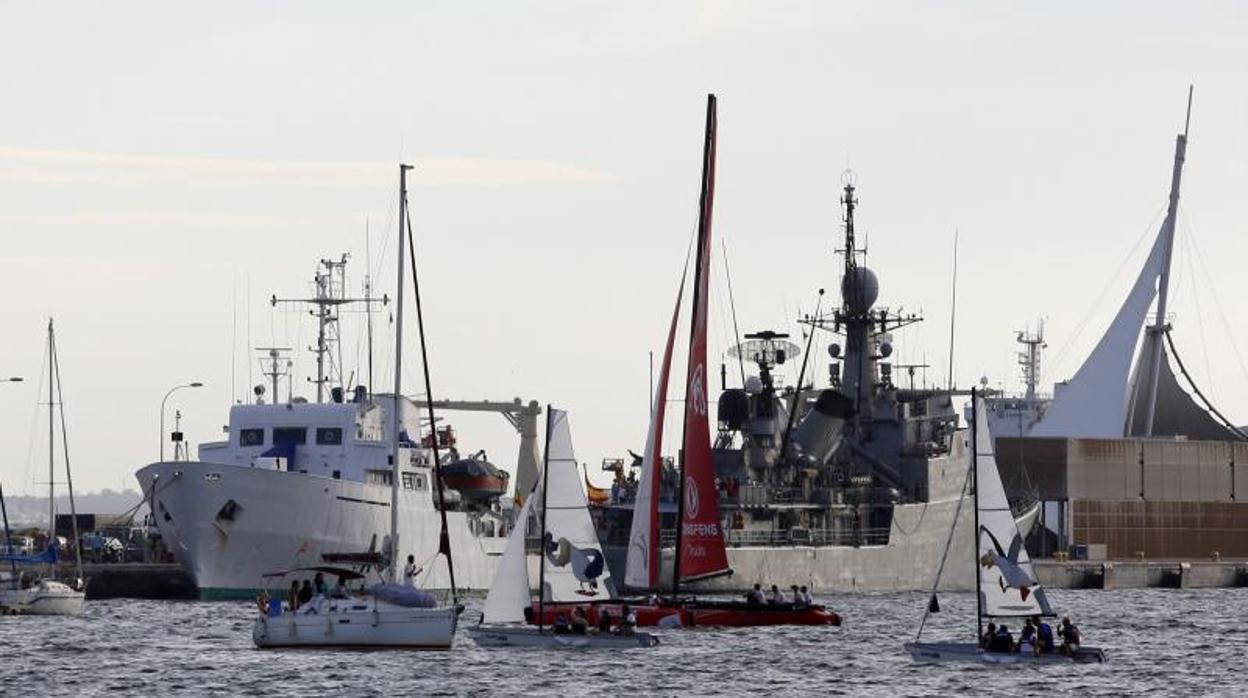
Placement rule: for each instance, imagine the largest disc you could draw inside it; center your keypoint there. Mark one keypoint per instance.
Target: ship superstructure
(851, 485)
(294, 479)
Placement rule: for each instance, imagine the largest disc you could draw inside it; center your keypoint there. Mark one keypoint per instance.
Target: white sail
(574, 567)
(509, 592)
(639, 571)
(1007, 582)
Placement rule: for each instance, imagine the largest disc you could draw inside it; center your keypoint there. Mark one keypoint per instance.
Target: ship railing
(804, 537)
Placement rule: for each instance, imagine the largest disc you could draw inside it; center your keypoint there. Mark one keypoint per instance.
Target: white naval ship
(294, 479)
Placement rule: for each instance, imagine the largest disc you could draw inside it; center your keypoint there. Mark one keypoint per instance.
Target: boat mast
(8, 537)
(395, 420)
(704, 201)
(444, 541)
(541, 552)
(979, 599)
(51, 446)
(1160, 326)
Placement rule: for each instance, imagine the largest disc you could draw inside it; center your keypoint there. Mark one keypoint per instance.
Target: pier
(1137, 574)
(135, 580)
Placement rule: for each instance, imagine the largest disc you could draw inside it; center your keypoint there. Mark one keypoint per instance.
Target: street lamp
(174, 389)
(14, 379)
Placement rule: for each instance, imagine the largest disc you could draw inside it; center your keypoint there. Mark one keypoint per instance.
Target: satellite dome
(860, 290)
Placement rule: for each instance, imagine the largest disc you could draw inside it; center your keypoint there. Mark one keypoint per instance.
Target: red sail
(701, 553)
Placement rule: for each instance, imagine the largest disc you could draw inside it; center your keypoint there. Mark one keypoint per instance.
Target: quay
(1138, 574)
(134, 580)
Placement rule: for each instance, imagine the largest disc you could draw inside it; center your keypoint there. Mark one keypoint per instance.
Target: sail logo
(692, 501)
(697, 391)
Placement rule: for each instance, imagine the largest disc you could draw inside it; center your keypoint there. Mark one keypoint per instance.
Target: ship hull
(918, 536)
(280, 520)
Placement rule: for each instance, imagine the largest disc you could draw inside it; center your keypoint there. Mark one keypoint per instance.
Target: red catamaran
(700, 552)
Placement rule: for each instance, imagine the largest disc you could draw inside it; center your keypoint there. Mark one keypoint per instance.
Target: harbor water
(1158, 641)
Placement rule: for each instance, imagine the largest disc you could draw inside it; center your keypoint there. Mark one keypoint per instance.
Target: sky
(166, 168)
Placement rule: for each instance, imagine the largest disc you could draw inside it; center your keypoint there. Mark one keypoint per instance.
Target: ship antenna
(953, 311)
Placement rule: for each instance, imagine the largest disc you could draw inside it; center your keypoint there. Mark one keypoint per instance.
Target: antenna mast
(330, 282)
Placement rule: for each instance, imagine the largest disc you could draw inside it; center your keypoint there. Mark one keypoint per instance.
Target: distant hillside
(33, 511)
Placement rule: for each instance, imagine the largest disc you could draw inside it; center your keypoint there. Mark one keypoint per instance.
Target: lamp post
(13, 379)
(174, 389)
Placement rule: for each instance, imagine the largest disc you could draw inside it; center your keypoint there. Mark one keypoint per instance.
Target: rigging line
(1200, 321)
(940, 570)
(444, 544)
(1068, 345)
(1217, 301)
(1208, 405)
(69, 478)
(34, 429)
(732, 302)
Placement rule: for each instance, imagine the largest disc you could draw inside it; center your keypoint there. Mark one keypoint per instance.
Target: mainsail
(575, 568)
(700, 538)
(1007, 582)
(573, 564)
(641, 570)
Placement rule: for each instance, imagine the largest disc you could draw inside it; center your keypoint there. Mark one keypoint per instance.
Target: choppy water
(1166, 642)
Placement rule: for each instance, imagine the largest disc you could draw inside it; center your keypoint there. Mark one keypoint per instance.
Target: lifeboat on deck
(475, 478)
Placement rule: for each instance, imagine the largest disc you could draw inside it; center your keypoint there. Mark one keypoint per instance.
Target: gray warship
(852, 485)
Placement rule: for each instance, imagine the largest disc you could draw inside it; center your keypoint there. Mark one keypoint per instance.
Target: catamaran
(391, 615)
(1005, 582)
(571, 569)
(21, 592)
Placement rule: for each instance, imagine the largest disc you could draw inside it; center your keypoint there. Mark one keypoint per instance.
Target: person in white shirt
(805, 596)
(777, 596)
(410, 571)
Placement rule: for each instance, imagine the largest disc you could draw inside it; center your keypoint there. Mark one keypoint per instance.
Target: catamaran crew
(1044, 635)
(756, 595)
(305, 592)
(292, 596)
(777, 596)
(1070, 636)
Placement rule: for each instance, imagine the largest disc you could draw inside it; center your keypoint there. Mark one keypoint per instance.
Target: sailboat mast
(51, 448)
(541, 551)
(444, 540)
(979, 598)
(396, 421)
(696, 316)
(1160, 326)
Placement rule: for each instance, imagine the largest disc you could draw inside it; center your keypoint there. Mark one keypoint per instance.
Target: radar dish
(766, 352)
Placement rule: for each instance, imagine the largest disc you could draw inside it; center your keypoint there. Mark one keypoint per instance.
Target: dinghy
(1005, 582)
(572, 569)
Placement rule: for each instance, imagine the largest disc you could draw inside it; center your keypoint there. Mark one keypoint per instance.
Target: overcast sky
(165, 168)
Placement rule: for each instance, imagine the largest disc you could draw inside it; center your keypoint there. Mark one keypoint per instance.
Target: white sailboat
(22, 592)
(572, 568)
(1005, 582)
(390, 615)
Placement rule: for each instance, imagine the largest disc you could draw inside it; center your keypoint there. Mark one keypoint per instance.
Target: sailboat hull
(486, 636)
(47, 598)
(939, 652)
(362, 628)
(697, 612)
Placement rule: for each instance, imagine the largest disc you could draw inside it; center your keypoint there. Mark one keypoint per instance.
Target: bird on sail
(1013, 576)
(587, 564)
